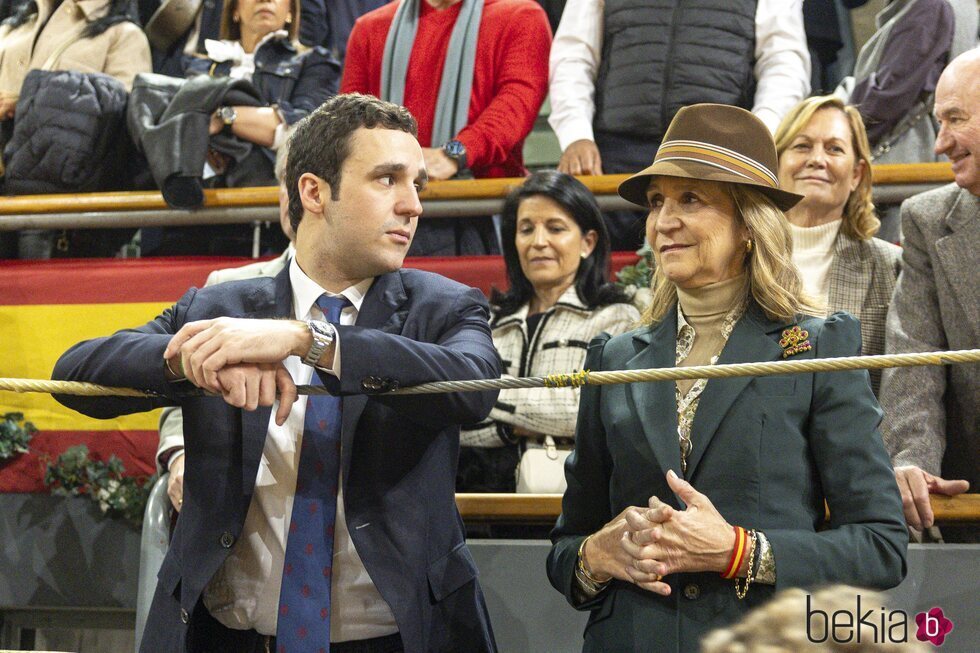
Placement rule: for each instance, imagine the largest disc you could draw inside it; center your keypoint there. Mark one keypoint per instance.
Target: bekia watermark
(874, 624)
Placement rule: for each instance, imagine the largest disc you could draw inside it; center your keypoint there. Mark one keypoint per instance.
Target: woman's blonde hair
(232, 31)
(773, 280)
(782, 626)
(860, 221)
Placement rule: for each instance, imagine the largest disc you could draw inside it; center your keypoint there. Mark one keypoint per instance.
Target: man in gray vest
(621, 69)
(932, 414)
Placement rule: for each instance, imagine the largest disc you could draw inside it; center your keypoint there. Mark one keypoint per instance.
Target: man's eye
(656, 201)
(387, 180)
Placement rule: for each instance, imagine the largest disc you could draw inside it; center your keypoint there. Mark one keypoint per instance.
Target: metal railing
(441, 199)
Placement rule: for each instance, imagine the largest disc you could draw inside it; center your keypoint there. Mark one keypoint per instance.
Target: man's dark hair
(592, 280)
(322, 141)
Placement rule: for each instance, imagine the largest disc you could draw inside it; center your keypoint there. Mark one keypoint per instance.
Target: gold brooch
(795, 341)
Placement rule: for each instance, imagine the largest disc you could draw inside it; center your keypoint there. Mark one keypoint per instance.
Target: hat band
(719, 157)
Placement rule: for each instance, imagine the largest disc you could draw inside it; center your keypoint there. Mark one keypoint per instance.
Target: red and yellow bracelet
(738, 553)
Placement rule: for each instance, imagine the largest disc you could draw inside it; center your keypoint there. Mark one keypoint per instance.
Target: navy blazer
(767, 451)
(398, 452)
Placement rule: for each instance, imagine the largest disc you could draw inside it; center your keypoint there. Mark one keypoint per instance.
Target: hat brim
(635, 188)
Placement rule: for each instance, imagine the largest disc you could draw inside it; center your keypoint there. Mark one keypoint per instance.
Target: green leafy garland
(75, 473)
(14, 436)
(637, 276)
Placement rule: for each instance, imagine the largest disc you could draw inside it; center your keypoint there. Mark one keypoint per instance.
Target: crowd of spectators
(213, 94)
(213, 97)
(616, 74)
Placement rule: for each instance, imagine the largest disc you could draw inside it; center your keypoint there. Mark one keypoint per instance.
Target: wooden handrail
(962, 509)
(906, 173)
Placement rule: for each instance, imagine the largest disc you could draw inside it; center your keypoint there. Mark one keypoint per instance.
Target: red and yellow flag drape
(45, 308)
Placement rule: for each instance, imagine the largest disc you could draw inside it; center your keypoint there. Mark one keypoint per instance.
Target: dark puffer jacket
(661, 55)
(69, 134)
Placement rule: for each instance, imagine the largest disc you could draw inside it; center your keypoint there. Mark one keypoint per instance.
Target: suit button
(184, 617)
(692, 592)
(371, 383)
(227, 539)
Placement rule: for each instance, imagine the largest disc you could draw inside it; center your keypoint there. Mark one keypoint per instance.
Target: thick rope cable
(578, 378)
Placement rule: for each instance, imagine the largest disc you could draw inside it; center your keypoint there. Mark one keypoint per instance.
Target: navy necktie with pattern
(304, 600)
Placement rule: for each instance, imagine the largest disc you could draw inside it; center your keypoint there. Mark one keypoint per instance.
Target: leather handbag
(542, 469)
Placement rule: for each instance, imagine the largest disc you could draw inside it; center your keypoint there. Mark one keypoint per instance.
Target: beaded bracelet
(741, 591)
(738, 554)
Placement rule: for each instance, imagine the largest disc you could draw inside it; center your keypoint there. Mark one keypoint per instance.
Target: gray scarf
(453, 102)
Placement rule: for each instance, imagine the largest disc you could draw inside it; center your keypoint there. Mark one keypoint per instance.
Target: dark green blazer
(767, 451)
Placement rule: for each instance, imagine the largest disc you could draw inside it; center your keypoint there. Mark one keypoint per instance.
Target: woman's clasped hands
(643, 545)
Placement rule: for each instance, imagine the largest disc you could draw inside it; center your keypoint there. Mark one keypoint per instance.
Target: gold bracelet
(741, 591)
(166, 361)
(581, 566)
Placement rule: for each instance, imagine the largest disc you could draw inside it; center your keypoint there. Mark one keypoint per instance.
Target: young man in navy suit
(319, 524)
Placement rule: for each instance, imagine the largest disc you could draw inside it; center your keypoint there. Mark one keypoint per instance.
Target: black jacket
(68, 135)
(168, 119)
(295, 82)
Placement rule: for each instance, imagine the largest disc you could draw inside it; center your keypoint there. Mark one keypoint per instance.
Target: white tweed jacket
(559, 345)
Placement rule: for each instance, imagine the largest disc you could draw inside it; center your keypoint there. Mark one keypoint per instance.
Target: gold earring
(748, 246)
(585, 255)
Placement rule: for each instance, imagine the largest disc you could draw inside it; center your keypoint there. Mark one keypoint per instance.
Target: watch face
(455, 149)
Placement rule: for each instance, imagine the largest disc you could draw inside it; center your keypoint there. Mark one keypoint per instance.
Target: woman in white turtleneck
(824, 155)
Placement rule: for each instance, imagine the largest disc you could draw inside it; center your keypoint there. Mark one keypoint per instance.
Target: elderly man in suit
(327, 523)
(932, 414)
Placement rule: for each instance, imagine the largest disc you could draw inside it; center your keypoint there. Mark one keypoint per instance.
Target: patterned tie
(304, 600)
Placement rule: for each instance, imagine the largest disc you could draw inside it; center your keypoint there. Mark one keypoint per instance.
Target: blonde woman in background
(824, 156)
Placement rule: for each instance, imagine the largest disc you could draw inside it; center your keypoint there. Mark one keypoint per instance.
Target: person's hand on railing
(916, 485)
(581, 158)
(438, 165)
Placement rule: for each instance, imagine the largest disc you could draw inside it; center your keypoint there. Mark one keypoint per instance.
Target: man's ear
(314, 193)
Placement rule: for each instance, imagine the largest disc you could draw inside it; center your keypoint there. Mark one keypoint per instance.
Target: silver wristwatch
(323, 334)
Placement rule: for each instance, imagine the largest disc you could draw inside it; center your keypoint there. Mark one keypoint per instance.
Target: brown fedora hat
(714, 142)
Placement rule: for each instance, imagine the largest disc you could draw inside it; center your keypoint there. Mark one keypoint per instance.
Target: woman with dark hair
(260, 42)
(556, 250)
(89, 36)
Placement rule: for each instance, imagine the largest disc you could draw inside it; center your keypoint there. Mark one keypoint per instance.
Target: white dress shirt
(782, 65)
(244, 593)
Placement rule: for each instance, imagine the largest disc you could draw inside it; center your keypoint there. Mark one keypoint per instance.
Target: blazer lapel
(957, 253)
(654, 403)
(378, 311)
(850, 275)
(265, 301)
(750, 342)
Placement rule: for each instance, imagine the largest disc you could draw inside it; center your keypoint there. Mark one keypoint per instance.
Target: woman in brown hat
(689, 503)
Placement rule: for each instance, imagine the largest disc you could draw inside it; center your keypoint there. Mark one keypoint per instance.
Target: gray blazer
(932, 411)
(862, 280)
